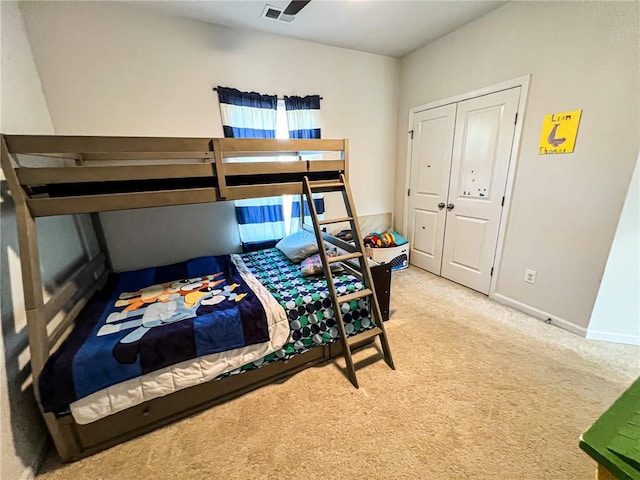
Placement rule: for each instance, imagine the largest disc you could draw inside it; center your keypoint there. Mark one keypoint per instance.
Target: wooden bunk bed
(62, 175)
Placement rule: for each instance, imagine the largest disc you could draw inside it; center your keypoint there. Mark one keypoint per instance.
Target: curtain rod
(279, 98)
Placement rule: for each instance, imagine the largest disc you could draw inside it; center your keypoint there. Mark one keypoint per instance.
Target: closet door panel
(430, 170)
(464, 254)
(480, 164)
(426, 241)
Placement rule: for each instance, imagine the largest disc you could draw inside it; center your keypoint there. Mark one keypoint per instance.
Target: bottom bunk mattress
(147, 335)
(308, 314)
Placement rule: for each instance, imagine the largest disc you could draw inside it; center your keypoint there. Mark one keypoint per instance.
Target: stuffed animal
(387, 240)
(371, 240)
(380, 240)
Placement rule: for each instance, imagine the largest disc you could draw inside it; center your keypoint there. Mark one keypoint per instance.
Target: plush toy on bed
(313, 265)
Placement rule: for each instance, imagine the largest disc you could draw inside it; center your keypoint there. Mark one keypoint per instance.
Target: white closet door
(430, 169)
(480, 164)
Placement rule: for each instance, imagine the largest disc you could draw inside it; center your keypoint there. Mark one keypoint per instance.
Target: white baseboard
(613, 337)
(542, 315)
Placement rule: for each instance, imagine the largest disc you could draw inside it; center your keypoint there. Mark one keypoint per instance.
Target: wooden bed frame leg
(67, 450)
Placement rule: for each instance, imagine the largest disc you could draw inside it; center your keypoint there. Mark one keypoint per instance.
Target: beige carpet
(480, 391)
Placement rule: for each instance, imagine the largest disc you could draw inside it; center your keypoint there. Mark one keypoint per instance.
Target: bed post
(32, 287)
(345, 157)
(30, 262)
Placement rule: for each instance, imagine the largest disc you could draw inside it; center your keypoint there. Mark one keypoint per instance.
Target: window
(255, 115)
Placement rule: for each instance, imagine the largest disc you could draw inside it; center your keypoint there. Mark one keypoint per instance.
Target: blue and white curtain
(303, 114)
(247, 115)
(253, 115)
(264, 219)
(318, 200)
(303, 121)
(261, 219)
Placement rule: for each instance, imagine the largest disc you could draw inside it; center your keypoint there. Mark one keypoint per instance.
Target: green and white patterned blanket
(307, 303)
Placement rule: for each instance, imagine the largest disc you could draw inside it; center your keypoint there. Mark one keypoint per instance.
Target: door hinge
(411, 133)
(503, 201)
(491, 274)
(516, 120)
(408, 192)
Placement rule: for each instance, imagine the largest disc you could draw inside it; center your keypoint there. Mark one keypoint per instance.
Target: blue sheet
(147, 320)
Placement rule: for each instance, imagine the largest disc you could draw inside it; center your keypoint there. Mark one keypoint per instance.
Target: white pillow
(298, 246)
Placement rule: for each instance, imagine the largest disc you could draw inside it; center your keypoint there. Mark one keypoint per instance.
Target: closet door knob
(441, 205)
(450, 206)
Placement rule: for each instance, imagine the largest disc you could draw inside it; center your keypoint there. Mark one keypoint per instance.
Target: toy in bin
(389, 247)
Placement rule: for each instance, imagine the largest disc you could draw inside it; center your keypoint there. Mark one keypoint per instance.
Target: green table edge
(596, 439)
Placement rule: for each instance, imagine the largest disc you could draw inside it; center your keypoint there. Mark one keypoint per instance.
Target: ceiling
(386, 27)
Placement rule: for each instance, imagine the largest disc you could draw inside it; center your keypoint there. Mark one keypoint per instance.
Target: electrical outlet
(530, 276)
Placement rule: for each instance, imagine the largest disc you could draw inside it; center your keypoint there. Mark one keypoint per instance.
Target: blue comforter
(149, 319)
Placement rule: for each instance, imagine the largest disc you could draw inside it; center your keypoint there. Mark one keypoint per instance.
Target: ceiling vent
(275, 13)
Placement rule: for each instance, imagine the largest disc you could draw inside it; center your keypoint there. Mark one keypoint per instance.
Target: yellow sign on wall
(559, 132)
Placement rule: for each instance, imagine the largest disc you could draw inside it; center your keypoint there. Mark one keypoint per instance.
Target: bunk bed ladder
(354, 253)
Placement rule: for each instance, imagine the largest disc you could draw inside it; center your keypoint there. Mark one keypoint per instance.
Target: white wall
(116, 69)
(564, 208)
(616, 314)
(23, 106)
(159, 236)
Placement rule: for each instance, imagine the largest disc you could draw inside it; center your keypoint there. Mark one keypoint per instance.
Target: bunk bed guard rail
(63, 175)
